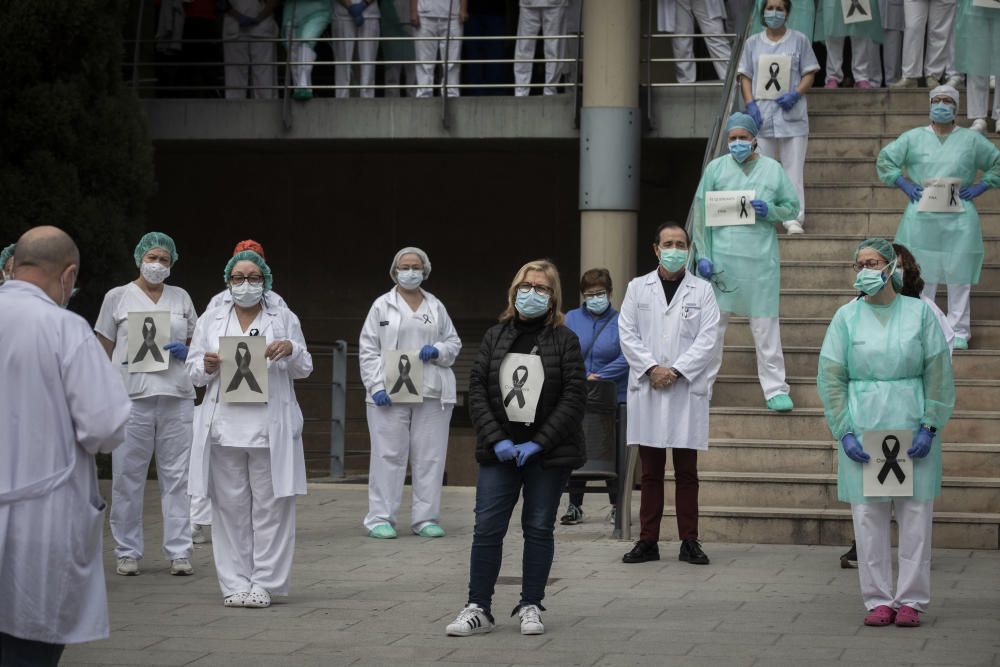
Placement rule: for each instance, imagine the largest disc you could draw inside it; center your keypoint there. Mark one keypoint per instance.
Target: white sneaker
(181, 567)
(531, 620)
(955, 81)
(794, 227)
(905, 83)
(979, 125)
(472, 620)
(257, 598)
(127, 567)
(933, 82)
(198, 533)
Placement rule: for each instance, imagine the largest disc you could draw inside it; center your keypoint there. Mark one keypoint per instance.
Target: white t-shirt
(112, 323)
(417, 329)
(240, 424)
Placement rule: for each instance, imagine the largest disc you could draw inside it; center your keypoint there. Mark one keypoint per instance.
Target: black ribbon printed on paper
(404, 376)
(744, 213)
(243, 371)
(148, 342)
(890, 465)
(520, 377)
(856, 7)
(773, 81)
(954, 195)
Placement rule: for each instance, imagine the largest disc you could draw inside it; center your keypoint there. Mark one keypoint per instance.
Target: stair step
(831, 274)
(865, 194)
(847, 145)
(851, 101)
(841, 247)
(809, 332)
(825, 302)
(876, 222)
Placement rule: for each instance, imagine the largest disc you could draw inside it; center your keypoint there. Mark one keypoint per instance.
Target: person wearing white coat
(248, 31)
(936, 19)
(678, 16)
(667, 328)
(357, 21)
(408, 318)
(248, 457)
(439, 25)
(60, 404)
(547, 16)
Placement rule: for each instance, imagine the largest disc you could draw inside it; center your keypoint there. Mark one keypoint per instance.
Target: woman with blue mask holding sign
(937, 166)
(885, 366)
(741, 260)
(527, 393)
(406, 327)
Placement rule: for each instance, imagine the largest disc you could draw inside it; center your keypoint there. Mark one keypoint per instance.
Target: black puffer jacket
(559, 415)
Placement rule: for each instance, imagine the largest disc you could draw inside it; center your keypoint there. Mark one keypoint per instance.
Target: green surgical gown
(830, 23)
(977, 39)
(948, 246)
(802, 18)
(311, 19)
(886, 368)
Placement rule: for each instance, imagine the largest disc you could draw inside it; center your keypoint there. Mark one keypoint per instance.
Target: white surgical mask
(410, 278)
(154, 272)
(247, 295)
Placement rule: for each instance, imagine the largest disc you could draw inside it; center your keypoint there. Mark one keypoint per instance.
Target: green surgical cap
(743, 121)
(250, 256)
(881, 246)
(155, 240)
(5, 255)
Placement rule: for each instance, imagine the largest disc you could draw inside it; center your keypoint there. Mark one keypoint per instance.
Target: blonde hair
(555, 317)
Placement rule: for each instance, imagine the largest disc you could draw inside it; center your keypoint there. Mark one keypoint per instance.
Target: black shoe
(850, 559)
(642, 552)
(691, 553)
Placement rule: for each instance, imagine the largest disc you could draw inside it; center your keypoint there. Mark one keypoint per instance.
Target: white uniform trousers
(367, 51)
(394, 74)
(770, 359)
(241, 56)
(791, 153)
(428, 50)
(937, 17)
(959, 307)
(417, 432)
(550, 21)
(865, 64)
(159, 425)
(871, 531)
(201, 510)
(687, 12)
(302, 74)
(892, 55)
(978, 100)
(253, 538)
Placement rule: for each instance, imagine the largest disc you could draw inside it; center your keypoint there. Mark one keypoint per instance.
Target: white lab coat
(681, 335)
(61, 402)
(288, 469)
(381, 333)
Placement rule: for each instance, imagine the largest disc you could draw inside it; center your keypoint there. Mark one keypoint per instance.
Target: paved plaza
(359, 601)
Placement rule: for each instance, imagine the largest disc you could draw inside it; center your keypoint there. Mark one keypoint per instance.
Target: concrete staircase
(770, 478)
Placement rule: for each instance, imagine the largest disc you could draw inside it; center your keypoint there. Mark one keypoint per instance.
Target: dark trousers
(686, 497)
(578, 484)
(16, 652)
(497, 491)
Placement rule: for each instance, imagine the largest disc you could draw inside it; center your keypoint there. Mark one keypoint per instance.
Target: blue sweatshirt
(604, 356)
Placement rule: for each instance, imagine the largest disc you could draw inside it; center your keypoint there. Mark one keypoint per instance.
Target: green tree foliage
(74, 151)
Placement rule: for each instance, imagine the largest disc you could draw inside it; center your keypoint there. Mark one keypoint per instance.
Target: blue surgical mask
(774, 18)
(531, 305)
(871, 281)
(942, 112)
(740, 149)
(673, 259)
(597, 304)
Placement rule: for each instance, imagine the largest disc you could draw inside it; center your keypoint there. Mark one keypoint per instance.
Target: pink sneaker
(880, 615)
(863, 84)
(907, 617)
(831, 83)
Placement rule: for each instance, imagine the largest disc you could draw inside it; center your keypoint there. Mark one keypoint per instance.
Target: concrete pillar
(609, 139)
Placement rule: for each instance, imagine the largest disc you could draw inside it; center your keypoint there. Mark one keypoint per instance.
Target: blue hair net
(155, 240)
(741, 120)
(879, 245)
(250, 256)
(5, 255)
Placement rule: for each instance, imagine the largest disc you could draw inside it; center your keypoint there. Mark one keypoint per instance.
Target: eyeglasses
(236, 280)
(540, 290)
(869, 264)
(598, 294)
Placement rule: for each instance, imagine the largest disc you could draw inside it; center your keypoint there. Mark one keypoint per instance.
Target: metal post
(338, 409)
(621, 460)
(286, 103)
(650, 123)
(135, 51)
(625, 500)
(444, 68)
(577, 97)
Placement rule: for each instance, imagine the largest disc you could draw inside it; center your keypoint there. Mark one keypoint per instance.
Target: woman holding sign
(407, 347)
(247, 455)
(941, 225)
(145, 327)
(527, 393)
(886, 384)
(740, 199)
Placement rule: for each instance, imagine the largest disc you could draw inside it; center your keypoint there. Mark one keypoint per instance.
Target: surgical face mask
(673, 259)
(871, 281)
(597, 304)
(774, 18)
(64, 300)
(154, 272)
(410, 278)
(942, 112)
(247, 295)
(531, 305)
(740, 149)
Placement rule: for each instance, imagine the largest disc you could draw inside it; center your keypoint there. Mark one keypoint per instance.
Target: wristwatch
(932, 429)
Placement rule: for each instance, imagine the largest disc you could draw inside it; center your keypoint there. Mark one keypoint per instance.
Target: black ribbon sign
(243, 371)
(148, 342)
(520, 377)
(774, 69)
(953, 189)
(856, 7)
(744, 213)
(427, 318)
(404, 376)
(890, 465)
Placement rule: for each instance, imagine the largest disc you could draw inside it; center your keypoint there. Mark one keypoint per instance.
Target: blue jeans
(17, 652)
(497, 492)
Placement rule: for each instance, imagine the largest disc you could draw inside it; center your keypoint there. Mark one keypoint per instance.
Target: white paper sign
(774, 76)
(243, 368)
(988, 4)
(725, 208)
(889, 472)
(521, 380)
(404, 376)
(941, 196)
(856, 11)
(148, 332)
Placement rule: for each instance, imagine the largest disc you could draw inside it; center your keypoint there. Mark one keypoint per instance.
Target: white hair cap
(947, 91)
(406, 251)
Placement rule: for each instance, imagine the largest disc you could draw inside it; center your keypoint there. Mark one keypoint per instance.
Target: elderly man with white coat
(667, 327)
(60, 404)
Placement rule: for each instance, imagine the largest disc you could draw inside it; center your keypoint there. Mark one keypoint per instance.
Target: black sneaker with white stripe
(472, 620)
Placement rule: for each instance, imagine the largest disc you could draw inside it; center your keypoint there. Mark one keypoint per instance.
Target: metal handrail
(338, 401)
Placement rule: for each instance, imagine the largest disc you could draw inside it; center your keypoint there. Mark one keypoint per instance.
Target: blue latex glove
(912, 190)
(754, 113)
(921, 444)
(705, 268)
(853, 448)
(177, 350)
(525, 451)
(973, 191)
(760, 207)
(505, 450)
(788, 100)
(381, 398)
(357, 11)
(428, 352)
(247, 21)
